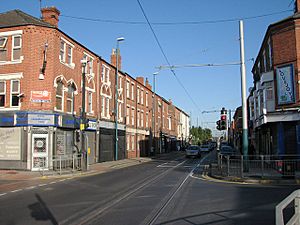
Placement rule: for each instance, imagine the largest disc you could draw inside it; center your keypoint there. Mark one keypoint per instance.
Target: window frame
(3, 93)
(71, 99)
(58, 96)
(14, 93)
(13, 47)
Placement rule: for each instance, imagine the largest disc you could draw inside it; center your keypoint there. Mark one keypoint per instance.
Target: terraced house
(41, 99)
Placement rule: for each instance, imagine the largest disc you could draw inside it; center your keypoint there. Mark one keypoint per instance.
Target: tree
(200, 135)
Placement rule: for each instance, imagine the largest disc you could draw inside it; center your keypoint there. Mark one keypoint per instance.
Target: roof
(18, 18)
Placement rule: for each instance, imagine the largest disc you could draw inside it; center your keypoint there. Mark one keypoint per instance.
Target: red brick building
(41, 71)
(274, 101)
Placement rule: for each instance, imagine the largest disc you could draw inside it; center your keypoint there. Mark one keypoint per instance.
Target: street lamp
(83, 117)
(153, 111)
(117, 96)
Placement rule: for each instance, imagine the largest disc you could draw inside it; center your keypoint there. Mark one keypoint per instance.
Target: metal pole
(244, 98)
(116, 102)
(116, 98)
(153, 115)
(83, 119)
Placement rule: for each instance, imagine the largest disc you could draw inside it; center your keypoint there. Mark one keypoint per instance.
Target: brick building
(41, 98)
(274, 101)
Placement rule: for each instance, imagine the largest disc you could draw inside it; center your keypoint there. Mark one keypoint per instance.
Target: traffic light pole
(83, 120)
(244, 99)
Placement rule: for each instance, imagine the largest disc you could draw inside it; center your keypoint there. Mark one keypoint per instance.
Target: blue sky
(211, 88)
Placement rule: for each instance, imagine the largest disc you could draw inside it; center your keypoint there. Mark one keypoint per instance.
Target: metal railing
(295, 219)
(62, 164)
(263, 166)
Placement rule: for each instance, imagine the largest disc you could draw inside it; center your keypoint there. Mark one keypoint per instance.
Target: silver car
(192, 151)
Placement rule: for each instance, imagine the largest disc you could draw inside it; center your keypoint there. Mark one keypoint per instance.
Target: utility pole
(244, 99)
(83, 118)
(153, 113)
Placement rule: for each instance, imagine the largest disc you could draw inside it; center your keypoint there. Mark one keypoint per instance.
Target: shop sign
(285, 84)
(92, 125)
(10, 143)
(40, 96)
(41, 119)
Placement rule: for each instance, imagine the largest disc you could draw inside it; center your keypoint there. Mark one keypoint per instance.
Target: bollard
(242, 166)
(228, 164)
(262, 166)
(59, 165)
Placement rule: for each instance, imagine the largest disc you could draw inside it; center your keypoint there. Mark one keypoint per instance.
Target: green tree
(200, 135)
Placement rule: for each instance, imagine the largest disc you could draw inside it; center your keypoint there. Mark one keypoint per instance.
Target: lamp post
(83, 118)
(153, 112)
(117, 97)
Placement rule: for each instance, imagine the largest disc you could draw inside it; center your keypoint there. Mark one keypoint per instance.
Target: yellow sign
(82, 126)
(89, 150)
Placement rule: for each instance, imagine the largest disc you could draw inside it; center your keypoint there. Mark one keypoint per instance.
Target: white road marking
(16, 190)
(32, 187)
(41, 185)
(53, 182)
(3, 194)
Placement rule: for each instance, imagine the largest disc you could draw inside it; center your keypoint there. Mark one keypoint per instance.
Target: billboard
(285, 84)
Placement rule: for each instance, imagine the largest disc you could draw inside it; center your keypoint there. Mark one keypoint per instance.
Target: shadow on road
(40, 211)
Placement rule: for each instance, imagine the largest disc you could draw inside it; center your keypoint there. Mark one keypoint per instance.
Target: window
(169, 123)
(15, 91)
(62, 51)
(264, 61)
(70, 99)
(2, 93)
(59, 96)
(142, 118)
(132, 142)
(132, 116)
(261, 104)
(103, 74)
(128, 89)
(146, 99)
(3, 49)
(138, 118)
(132, 92)
(127, 114)
(16, 47)
(107, 75)
(69, 55)
(269, 93)
(138, 95)
(142, 97)
(89, 66)
(270, 53)
(66, 53)
(127, 142)
(89, 102)
(147, 119)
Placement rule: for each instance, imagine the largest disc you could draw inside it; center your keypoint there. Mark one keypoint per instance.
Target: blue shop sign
(6, 120)
(36, 119)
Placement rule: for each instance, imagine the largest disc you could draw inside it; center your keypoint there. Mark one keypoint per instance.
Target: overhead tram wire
(175, 23)
(165, 56)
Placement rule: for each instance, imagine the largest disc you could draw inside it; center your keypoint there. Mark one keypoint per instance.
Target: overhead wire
(165, 56)
(175, 23)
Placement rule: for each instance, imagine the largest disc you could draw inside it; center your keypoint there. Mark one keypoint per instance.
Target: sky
(98, 23)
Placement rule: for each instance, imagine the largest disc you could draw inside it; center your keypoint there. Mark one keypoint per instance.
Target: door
(39, 152)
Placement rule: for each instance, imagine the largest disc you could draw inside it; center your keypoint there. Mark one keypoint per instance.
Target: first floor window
(107, 107)
(59, 96)
(17, 44)
(127, 115)
(70, 99)
(2, 93)
(15, 91)
(103, 106)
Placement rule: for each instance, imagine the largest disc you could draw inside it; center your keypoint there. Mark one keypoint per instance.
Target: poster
(10, 143)
(285, 84)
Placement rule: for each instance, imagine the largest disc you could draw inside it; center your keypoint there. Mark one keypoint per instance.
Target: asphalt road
(165, 191)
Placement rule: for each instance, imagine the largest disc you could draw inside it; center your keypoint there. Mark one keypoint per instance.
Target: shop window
(15, 91)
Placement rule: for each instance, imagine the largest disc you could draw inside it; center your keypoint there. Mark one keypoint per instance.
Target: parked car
(193, 151)
(227, 150)
(204, 148)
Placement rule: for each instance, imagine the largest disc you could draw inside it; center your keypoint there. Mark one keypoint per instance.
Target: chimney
(50, 15)
(297, 6)
(140, 80)
(170, 101)
(148, 85)
(113, 59)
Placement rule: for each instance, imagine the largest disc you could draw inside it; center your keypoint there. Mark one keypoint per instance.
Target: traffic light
(224, 122)
(218, 125)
